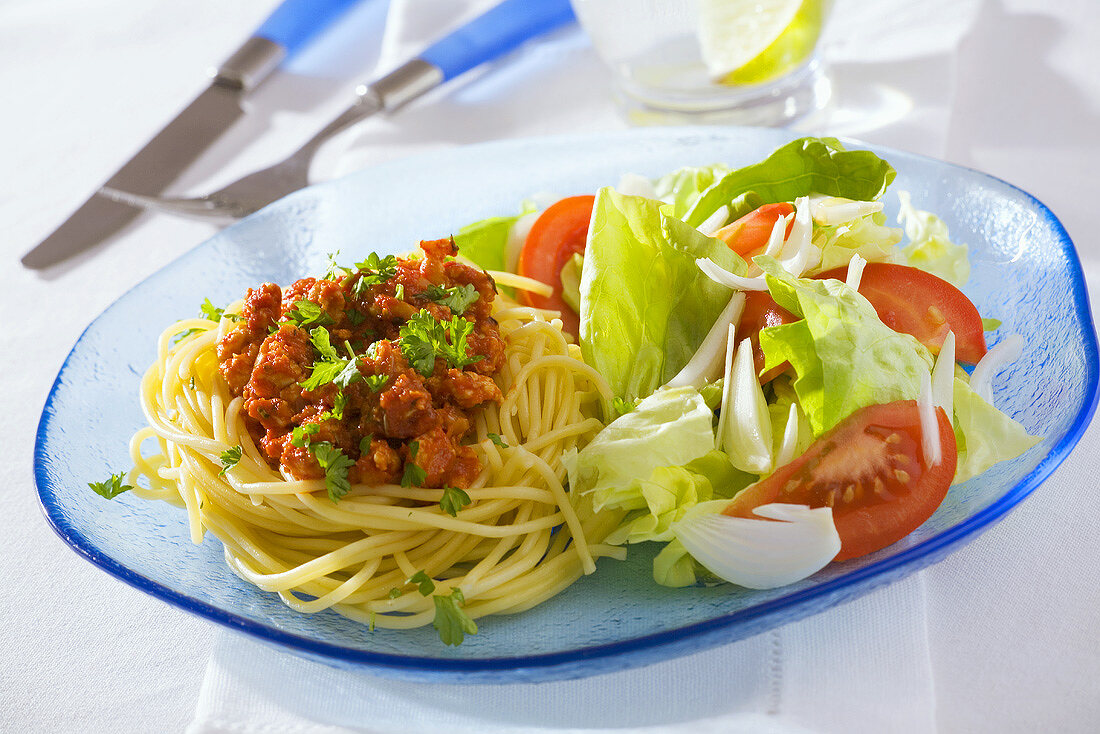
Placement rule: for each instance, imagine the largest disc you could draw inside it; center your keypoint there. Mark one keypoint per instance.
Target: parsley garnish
(423, 338)
(374, 271)
(364, 443)
(336, 465)
(112, 488)
(300, 435)
(213, 313)
(334, 271)
(230, 458)
(423, 582)
(331, 367)
(399, 291)
(454, 499)
(307, 313)
(394, 593)
(414, 475)
(495, 438)
(377, 382)
(458, 299)
(354, 316)
(452, 623)
(338, 404)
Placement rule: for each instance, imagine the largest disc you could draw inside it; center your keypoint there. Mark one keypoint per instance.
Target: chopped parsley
(399, 291)
(414, 475)
(454, 499)
(230, 458)
(495, 438)
(112, 488)
(334, 271)
(354, 316)
(364, 443)
(335, 465)
(424, 338)
(394, 593)
(458, 299)
(300, 435)
(210, 311)
(423, 582)
(377, 382)
(331, 367)
(374, 271)
(338, 404)
(452, 623)
(307, 313)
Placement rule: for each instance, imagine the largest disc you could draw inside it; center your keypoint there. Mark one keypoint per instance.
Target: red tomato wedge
(871, 470)
(558, 233)
(749, 235)
(912, 301)
(760, 311)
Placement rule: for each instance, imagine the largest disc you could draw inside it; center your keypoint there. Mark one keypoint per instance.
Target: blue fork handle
(495, 33)
(295, 22)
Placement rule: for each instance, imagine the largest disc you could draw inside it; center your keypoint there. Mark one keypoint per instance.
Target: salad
(794, 381)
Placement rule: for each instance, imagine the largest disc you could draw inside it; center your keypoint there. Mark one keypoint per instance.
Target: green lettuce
(799, 168)
(674, 566)
(485, 242)
(671, 427)
(929, 246)
(645, 305)
(868, 236)
(844, 356)
(683, 187)
(983, 434)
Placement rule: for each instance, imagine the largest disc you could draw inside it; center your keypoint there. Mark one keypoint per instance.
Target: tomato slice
(912, 301)
(749, 235)
(558, 233)
(870, 469)
(761, 310)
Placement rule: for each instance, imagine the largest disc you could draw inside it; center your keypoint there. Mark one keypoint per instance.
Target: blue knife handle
(496, 32)
(295, 22)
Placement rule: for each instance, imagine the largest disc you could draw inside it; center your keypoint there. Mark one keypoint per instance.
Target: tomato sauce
(410, 417)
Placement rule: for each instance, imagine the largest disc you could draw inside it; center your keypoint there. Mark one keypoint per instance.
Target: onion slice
(724, 277)
(931, 445)
(706, 364)
(761, 554)
(745, 425)
(832, 210)
(715, 221)
(855, 271)
(943, 376)
(1005, 353)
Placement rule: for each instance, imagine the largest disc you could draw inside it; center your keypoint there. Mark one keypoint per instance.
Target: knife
(287, 30)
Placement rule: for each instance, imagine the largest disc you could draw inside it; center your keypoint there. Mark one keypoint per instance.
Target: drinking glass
(711, 61)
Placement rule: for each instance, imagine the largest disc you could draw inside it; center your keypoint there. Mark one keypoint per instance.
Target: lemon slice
(747, 42)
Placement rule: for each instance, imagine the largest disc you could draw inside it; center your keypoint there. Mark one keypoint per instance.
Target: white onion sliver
(833, 210)
(775, 239)
(805, 254)
(724, 277)
(725, 415)
(931, 446)
(715, 221)
(632, 184)
(789, 447)
(748, 432)
(517, 237)
(943, 376)
(1005, 353)
(761, 554)
(706, 364)
(855, 271)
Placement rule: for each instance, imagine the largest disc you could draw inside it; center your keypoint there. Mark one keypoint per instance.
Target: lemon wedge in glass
(746, 42)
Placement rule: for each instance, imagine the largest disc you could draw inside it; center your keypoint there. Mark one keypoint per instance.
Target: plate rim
(601, 657)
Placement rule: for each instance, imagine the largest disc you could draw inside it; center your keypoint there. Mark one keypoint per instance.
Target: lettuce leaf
(669, 428)
(929, 246)
(484, 242)
(983, 434)
(799, 168)
(645, 306)
(683, 187)
(868, 237)
(844, 356)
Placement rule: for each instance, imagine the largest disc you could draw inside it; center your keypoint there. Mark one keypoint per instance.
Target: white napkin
(863, 667)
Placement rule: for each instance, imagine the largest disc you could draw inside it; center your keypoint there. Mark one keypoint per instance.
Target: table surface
(1011, 617)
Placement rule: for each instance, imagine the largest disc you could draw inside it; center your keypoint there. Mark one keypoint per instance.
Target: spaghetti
(386, 554)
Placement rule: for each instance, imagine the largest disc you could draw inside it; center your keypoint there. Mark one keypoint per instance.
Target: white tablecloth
(1012, 619)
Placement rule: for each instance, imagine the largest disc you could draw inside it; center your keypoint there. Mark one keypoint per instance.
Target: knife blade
(164, 158)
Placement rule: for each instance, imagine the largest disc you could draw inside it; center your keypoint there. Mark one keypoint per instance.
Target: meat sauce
(391, 413)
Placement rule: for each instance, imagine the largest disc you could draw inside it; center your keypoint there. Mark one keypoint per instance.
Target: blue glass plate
(1025, 273)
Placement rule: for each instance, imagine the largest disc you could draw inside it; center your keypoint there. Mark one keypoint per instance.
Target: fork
(492, 34)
